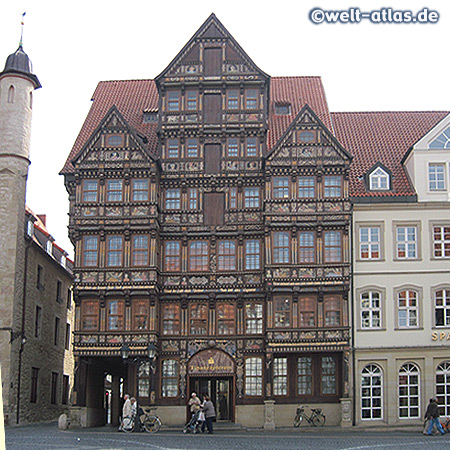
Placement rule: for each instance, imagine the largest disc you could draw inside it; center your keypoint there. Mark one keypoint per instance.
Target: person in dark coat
(210, 413)
(432, 413)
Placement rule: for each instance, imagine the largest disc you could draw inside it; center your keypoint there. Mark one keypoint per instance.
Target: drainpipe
(22, 333)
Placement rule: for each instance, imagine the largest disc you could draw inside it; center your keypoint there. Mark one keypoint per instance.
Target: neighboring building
(35, 275)
(210, 214)
(401, 262)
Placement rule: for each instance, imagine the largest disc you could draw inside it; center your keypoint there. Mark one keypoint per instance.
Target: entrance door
(220, 390)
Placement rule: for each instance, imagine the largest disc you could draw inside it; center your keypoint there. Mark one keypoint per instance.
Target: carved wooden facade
(207, 240)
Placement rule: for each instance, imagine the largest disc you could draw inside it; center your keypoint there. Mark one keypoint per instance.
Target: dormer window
(49, 247)
(379, 180)
(30, 228)
(442, 141)
(282, 109)
(150, 117)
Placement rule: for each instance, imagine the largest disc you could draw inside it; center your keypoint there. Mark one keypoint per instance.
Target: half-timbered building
(210, 214)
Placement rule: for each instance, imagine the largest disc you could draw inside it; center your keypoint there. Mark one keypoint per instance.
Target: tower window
(11, 94)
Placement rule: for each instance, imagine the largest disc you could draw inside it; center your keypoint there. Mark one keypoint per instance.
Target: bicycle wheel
(319, 420)
(151, 424)
(128, 424)
(298, 420)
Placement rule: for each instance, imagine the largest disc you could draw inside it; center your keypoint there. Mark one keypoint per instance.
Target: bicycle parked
(316, 419)
(148, 420)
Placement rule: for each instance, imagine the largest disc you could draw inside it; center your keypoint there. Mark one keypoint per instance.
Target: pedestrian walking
(210, 413)
(432, 414)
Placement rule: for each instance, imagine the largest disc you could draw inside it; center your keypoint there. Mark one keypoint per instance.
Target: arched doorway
(212, 372)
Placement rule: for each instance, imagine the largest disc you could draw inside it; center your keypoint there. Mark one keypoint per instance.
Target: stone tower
(17, 83)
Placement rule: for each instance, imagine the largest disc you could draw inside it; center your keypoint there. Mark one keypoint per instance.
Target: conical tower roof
(19, 63)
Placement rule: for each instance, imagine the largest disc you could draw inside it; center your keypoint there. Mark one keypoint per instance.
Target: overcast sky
(74, 45)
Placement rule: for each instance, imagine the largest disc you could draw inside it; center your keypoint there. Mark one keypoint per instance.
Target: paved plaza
(47, 437)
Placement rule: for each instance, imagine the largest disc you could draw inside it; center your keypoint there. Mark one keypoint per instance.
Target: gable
(113, 143)
(308, 142)
(213, 38)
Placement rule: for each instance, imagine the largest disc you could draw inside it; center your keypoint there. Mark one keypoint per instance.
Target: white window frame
(443, 388)
(444, 306)
(371, 310)
(410, 246)
(376, 180)
(372, 372)
(372, 243)
(411, 402)
(436, 180)
(409, 311)
(440, 245)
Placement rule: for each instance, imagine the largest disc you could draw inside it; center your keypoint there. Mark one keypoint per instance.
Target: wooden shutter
(214, 206)
(211, 109)
(212, 158)
(213, 61)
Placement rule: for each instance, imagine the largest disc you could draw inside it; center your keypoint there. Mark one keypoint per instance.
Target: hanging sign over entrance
(211, 362)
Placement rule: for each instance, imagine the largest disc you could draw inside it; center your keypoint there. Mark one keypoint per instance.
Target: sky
(364, 66)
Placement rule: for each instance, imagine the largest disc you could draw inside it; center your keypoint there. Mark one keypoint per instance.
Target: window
(378, 180)
(370, 309)
(191, 100)
(90, 251)
(233, 198)
(114, 190)
(89, 315)
(443, 388)
(69, 298)
(193, 198)
(332, 310)
(304, 375)
(140, 251)
(115, 315)
(59, 298)
(307, 245)
(307, 311)
(172, 256)
(198, 319)
(408, 309)
(49, 247)
(198, 256)
(442, 307)
(253, 318)
(173, 101)
(252, 255)
(232, 147)
(306, 187)
(253, 377)
(192, 148)
(406, 242)
(281, 187)
(34, 384)
(369, 243)
(38, 322)
(170, 319)
(408, 391)
(150, 116)
(233, 99)
(436, 180)
(281, 247)
(442, 141)
(226, 323)
(173, 199)
(11, 94)
(30, 228)
(139, 190)
(54, 388)
(332, 246)
(371, 393)
(306, 136)
(251, 197)
(280, 376)
(282, 311)
(40, 277)
(90, 190)
(144, 379)
(329, 375)
(169, 378)
(251, 101)
(251, 146)
(140, 314)
(441, 242)
(114, 140)
(282, 109)
(56, 331)
(173, 148)
(67, 337)
(332, 187)
(114, 251)
(226, 255)
(65, 390)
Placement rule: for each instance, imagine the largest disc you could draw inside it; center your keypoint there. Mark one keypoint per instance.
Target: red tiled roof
(297, 91)
(131, 98)
(385, 137)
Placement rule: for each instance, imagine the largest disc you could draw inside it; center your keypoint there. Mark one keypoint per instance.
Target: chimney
(42, 218)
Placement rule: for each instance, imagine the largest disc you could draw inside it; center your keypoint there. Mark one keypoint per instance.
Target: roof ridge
(391, 112)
